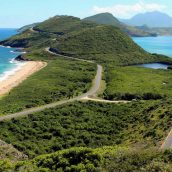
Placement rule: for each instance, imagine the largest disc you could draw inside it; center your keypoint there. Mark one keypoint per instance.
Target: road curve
(168, 142)
(86, 96)
(91, 92)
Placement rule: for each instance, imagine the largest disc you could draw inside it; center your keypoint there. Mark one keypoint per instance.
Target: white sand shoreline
(19, 75)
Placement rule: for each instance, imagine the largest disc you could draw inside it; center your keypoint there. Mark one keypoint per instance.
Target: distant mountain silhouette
(151, 19)
(109, 19)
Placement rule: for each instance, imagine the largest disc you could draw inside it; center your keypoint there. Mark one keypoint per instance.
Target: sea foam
(17, 66)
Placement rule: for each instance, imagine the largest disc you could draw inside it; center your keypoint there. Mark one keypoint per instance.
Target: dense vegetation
(106, 159)
(72, 36)
(62, 25)
(61, 79)
(97, 40)
(139, 124)
(138, 83)
(89, 124)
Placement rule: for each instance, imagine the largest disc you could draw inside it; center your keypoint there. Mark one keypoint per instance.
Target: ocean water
(7, 55)
(160, 44)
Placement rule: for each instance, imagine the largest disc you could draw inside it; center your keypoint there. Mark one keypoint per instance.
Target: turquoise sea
(7, 63)
(160, 44)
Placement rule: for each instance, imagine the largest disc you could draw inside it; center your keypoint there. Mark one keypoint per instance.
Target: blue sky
(17, 13)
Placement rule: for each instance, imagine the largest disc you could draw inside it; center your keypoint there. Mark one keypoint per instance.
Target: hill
(83, 39)
(150, 19)
(75, 136)
(24, 28)
(109, 19)
(161, 31)
(97, 40)
(61, 25)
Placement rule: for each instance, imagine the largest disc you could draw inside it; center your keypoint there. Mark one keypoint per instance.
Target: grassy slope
(63, 25)
(51, 130)
(98, 40)
(104, 44)
(137, 82)
(104, 18)
(49, 85)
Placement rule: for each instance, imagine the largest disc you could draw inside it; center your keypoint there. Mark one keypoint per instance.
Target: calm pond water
(154, 66)
(159, 45)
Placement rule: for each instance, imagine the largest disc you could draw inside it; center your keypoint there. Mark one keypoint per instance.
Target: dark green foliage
(98, 40)
(110, 159)
(61, 25)
(89, 124)
(61, 79)
(170, 67)
(30, 40)
(74, 159)
(105, 18)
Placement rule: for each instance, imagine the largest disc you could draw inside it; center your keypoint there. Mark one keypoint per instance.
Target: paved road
(86, 96)
(48, 50)
(168, 142)
(91, 92)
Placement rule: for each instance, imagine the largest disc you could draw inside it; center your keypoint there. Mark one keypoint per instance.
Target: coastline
(19, 75)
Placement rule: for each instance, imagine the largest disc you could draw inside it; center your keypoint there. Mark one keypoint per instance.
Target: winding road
(86, 96)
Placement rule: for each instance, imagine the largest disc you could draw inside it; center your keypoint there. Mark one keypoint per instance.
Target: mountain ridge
(150, 19)
(109, 19)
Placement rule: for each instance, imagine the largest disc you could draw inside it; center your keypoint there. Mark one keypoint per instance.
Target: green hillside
(104, 18)
(74, 137)
(99, 160)
(72, 36)
(89, 124)
(109, 19)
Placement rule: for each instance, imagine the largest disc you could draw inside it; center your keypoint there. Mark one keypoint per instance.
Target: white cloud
(126, 11)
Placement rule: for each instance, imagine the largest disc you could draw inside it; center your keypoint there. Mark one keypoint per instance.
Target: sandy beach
(20, 75)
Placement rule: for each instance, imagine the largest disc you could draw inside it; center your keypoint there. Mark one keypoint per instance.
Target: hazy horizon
(18, 13)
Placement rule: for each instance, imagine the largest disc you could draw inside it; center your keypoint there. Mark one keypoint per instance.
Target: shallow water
(7, 55)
